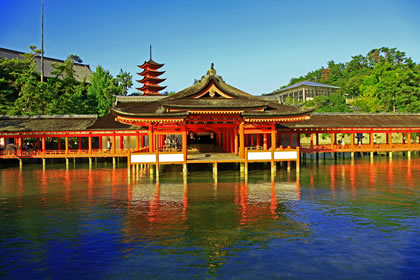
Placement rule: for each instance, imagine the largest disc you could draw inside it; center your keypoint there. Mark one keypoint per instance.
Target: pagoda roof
(150, 79)
(152, 73)
(150, 64)
(210, 94)
(151, 87)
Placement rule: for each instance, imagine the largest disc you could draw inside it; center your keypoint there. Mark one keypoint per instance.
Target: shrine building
(208, 122)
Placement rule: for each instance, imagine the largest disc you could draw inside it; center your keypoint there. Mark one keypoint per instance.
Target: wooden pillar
(226, 136)
(312, 141)
(142, 138)
(231, 140)
(114, 148)
(298, 139)
(409, 139)
(150, 134)
(235, 142)
(19, 145)
(241, 140)
(332, 140)
(273, 139)
(90, 144)
(137, 141)
(44, 148)
(121, 142)
(265, 141)
(258, 136)
(252, 139)
(79, 144)
(100, 143)
(67, 144)
(371, 140)
(184, 145)
(219, 139)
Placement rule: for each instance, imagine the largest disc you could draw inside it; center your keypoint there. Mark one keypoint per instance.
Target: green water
(349, 220)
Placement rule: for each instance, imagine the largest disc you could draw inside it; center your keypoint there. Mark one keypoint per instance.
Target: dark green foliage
(333, 103)
(383, 80)
(22, 92)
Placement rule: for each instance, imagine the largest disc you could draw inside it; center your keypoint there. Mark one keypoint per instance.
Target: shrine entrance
(203, 142)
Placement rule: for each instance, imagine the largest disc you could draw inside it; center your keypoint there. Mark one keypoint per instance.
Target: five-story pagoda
(151, 78)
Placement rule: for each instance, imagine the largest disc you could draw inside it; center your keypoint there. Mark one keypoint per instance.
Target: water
(344, 220)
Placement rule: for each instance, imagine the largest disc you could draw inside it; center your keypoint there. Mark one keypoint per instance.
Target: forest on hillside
(23, 93)
(383, 80)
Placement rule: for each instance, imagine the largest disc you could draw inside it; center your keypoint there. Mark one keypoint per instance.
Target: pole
(42, 43)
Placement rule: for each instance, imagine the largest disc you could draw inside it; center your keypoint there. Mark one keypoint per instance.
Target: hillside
(383, 80)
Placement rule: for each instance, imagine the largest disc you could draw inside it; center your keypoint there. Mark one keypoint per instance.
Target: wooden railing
(68, 153)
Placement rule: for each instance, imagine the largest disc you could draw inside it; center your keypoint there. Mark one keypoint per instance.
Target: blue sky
(257, 46)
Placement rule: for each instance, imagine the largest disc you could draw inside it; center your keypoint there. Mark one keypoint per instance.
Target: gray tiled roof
(81, 71)
(304, 83)
(46, 123)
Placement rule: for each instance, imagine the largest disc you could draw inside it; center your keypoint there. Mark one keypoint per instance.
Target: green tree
(124, 80)
(102, 91)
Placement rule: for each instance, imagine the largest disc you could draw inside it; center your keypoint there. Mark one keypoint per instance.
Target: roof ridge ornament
(212, 71)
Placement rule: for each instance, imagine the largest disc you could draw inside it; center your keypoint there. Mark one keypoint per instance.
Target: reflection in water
(254, 228)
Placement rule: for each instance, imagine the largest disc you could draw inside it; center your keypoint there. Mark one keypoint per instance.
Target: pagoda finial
(150, 51)
(212, 71)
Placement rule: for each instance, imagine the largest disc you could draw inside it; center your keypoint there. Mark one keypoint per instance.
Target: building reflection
(209, 216)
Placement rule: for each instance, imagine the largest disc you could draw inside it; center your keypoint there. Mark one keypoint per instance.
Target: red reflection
(273, 204)
(372, 177)
(185, 202)
(43, 191)
(243, 193)
(353, 179)
(154, 204)
(332, 180)
(91, 183)
(298, 187)
(67, 186)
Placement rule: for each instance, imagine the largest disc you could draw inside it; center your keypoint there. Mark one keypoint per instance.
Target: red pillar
(43, 145)
(252, 139)
(265, 141)
(236, 142)
(80, 143)
(67, 144)
(114, 148)
(100, 143)
(121, 142)
(258, 136)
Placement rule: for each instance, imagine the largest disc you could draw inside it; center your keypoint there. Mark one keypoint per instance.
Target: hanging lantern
(211, 135)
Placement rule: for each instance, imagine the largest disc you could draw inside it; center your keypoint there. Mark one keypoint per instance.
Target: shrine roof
(211, 92)
(46, 123)
(360, 120)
